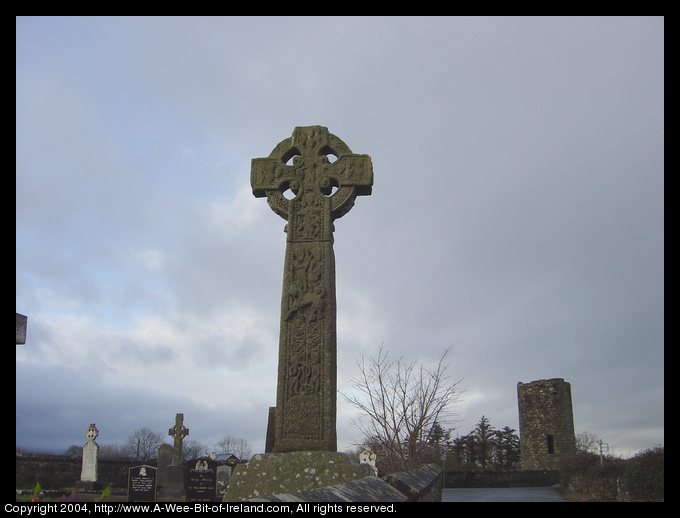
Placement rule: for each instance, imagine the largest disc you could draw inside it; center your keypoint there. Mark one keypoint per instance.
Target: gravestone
(368, 457)
(164, 460)
(325, 178)
(223, 476)
(202, 480)
(90, 465)
(142, 484)
(22, 322)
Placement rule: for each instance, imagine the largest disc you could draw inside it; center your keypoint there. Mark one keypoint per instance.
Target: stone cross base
(90, 485)
(280, 473)
(175, 484)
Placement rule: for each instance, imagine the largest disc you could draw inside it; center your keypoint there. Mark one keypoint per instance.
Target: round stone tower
(546, 423)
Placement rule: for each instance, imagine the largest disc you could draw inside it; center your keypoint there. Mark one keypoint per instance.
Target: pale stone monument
(90, 467)
(368, 457)
(311, 164)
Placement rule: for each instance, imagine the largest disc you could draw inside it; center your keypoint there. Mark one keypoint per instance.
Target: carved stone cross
(91, 433)
(325, 178)
(90, 462)
(178, 432)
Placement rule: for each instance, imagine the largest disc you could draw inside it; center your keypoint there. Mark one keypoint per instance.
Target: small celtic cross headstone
(325, 178)
(90, 464)
(178, 432)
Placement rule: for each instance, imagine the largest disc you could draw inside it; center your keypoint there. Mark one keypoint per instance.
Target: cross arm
(355, 171)
(267, 174)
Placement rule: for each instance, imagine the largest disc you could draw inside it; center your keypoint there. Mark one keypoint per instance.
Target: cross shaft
(307, 378)
(178, 432)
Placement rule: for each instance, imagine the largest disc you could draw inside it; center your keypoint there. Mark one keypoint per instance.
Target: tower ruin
(546, 423)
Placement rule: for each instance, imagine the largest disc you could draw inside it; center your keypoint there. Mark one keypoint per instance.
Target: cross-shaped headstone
(90, 463)
(91, 433)
(325, 178)
(178, 432)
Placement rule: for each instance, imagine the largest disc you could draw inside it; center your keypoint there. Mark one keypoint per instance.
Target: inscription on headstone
(142, 484)
(202, 480)
(325, 178)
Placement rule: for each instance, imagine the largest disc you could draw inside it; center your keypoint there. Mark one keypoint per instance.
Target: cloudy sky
(516, 215)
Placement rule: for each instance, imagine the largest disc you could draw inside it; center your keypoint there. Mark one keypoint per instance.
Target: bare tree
(111, 451)
(239, 447)
(74, 451)
(193, 449)
(143, 444)
(402, 402)
(586, 442)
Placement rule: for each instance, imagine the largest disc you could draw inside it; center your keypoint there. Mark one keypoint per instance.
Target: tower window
(551, 444)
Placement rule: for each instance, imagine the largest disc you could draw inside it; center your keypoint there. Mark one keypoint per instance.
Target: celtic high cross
(325, 178)
(178, 432)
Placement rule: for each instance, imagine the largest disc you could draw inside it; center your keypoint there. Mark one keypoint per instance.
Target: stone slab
(90, 485)
(282, 473)
(418, 485)
(369, 489)
(175, 483)
(22, 321)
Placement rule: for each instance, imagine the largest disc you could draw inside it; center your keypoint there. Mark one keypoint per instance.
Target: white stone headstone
(368, 457)
(223, 475)
(90, 456)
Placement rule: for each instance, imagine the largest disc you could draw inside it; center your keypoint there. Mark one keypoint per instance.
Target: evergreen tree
(487, 448)
(508, 448)
(486, 442)
(437, 435)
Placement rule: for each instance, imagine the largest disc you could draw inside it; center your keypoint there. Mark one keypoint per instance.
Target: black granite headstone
(142, 484)
(202, 480)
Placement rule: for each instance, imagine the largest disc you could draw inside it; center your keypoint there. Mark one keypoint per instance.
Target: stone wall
(418, 485)
(524, 478)
(61, 471)
(546, 423)
(599, 489)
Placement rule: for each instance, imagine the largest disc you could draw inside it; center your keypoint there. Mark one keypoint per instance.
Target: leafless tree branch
(402, 402)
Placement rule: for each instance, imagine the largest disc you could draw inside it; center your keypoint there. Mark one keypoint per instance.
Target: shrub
(644, 473)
